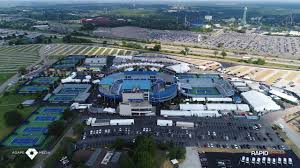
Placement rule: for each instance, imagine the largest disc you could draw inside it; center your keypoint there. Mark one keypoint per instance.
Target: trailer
(122, 122)
(185, 124)
(164, 123)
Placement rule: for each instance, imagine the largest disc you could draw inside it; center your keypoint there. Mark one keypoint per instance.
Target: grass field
(9, 103)
(14, 57)
(5, 76)
(65, 49)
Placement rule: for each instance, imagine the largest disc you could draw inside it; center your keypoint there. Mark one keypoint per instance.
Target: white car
(290, 161)
(243, 159)
(258, 161)
(279, 161)
(284, 161)
(263, 160)
(253, 160)
(247, 160)
(273, 161)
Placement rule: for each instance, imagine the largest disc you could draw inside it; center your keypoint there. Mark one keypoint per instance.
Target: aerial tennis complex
(160, 86)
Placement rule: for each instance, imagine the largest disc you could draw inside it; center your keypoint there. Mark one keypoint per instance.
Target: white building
(136, 104)
(208, 17)
(260, 102)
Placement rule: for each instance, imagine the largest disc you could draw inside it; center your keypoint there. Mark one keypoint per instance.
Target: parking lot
(207, 132)
(246, 160)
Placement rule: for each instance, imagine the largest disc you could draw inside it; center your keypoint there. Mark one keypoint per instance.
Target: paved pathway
(292, 134)
(191, 159)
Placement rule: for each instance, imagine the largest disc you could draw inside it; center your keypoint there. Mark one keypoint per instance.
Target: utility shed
(260, 102)
(164, 123)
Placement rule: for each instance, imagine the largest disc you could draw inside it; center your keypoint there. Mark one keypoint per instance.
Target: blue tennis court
(33, 89)
(35, 130)
(45, 118)
(45, 80)
(72, 91)
(51, 110)
(62, 98)
(25, 141)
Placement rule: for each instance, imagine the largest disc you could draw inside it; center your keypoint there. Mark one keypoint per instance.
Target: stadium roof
(259, 101)
(141, 84)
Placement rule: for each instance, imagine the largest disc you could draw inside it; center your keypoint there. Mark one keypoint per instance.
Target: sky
(8, 1)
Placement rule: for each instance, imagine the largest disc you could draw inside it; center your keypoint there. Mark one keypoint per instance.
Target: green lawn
(5, 76)
(10, 102)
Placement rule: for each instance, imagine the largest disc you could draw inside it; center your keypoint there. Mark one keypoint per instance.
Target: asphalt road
(292, 134)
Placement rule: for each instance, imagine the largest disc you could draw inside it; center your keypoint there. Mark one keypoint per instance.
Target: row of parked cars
(266, 160)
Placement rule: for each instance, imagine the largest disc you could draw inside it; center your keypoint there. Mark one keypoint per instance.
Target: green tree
(56, 128)
(260, 61)
(126, 161)
(119, 143)
(187, 50)
(23, 161)
(216, 53)
(78, 129)
(13, 118)
(143, 159)
(220, 45)
(157, 47)
(224, 54)
(22, 70)
(68, 114)
(177, 152)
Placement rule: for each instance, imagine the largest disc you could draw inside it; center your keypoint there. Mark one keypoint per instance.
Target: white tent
(260, 102)
(180, 68)
(191, 107)
(203, 113)
(284, 96)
